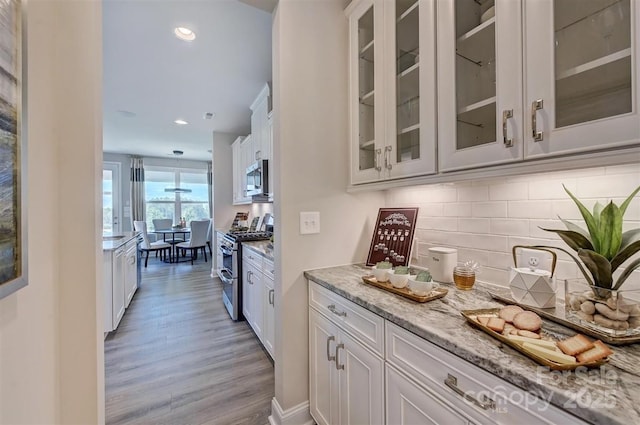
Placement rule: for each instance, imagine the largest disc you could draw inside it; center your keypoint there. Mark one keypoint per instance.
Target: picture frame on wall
(13, 143)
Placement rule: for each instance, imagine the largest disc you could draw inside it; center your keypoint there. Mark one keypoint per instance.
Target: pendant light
(177, 154)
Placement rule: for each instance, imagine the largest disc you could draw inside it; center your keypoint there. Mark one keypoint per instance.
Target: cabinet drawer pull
(506, 114)
(378, 167)
(271, 296)
(332, 308)
(249, 273)
(387, 157)
(485, 404)
(537, 105)
(338, 365)
(329, 356)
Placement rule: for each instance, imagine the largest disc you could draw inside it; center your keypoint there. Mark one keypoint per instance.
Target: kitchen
(311, 142)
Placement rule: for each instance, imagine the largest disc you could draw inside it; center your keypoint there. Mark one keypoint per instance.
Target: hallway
(177, 358)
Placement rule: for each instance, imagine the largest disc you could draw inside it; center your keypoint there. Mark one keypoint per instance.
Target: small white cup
(381, 275)
(400, 280)
(420, 288)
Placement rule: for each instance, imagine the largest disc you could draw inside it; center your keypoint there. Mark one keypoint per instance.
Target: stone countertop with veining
(608, 395)
(264, 248)
(112, 241)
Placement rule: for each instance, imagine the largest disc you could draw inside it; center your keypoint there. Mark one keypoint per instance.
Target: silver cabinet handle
(332, 308)
(329, 356)
(271, 296)
(338, 365)
(387, 157)
(377, 159)
(249, 273)
(536, 106)
(485, 404)
(506, 114)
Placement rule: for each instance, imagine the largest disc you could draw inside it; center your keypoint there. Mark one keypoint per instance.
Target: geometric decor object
(536, 288)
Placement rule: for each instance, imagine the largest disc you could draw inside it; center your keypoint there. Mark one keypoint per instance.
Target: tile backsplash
(484, 219)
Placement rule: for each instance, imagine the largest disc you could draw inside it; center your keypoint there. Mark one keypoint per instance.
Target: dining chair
(199, 230)
(148, 246)
(166, 224)
(209, 234)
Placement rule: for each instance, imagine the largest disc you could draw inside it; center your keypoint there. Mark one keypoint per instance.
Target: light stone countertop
(113, 241)
(608, 395)
(263, 248)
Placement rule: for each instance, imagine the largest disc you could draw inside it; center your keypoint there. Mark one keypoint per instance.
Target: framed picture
(13, 211)
(393, 236)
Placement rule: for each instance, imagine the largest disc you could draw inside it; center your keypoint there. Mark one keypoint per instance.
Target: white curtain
(137, 190)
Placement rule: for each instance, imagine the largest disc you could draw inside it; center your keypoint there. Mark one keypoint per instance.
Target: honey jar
(464, 277)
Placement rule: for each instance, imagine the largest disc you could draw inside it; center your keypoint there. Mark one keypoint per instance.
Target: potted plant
(601, 249)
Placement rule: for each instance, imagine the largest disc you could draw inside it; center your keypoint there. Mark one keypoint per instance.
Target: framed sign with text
(393, 236)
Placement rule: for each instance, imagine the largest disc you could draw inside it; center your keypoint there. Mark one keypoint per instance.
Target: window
(110, 197)
(192, 205)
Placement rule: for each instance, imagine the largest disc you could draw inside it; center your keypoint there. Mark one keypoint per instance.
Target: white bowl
(420, 288)
(400, 280)
(381, 275)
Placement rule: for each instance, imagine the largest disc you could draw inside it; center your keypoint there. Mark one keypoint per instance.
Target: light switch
(309, 222)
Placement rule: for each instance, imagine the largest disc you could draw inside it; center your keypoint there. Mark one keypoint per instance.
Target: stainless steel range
(230, 271)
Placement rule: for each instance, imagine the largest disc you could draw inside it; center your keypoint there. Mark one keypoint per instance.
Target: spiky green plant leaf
(610, 231)
(599, 267)
(626, 273)
(576, 228)
(625, 204)
(624, 255)
(597, 210)
(586, 275)
(575, 240)
(588, 219)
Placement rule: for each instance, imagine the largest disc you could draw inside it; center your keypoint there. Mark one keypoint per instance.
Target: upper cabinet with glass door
(582, 75)
(479, 83)
(392, 89)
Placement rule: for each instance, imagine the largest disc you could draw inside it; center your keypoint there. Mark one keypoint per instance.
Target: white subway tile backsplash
(530, 209)
(473, 193)
(510, 227)
(457, 209)
(489, 209)
(474, 225)
(509, 191)
(483, 219)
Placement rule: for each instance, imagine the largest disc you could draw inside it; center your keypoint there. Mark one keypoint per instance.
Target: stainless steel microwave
(258, 178)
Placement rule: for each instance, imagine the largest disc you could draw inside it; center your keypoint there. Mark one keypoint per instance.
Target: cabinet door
(238, 170)
(410, 404)
(323, 375)
(257, 302)
(246, 153)
(268, 331)
(247, 293)
(361, 383)
(479, 83)
(582, 75)
(107, 265)
(410, 66)
(366, 97)
(118, 295)
(131, 273)
(270, 143)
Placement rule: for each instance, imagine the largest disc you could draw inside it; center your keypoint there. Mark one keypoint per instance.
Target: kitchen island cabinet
(120, 281)
(430, 347)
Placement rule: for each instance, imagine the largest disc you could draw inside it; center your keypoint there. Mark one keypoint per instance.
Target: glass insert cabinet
(392, 83)
(517, 80)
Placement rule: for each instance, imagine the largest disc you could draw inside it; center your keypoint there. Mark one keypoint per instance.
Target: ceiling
(152, 78)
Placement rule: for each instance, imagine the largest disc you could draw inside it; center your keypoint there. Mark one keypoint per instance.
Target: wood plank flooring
(178, 359)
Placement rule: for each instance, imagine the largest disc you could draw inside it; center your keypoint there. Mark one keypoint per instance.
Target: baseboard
(297, 415)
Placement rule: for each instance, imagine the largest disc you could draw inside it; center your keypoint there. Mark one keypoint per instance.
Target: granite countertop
(608, 395)
(264, 248)
(112, 241)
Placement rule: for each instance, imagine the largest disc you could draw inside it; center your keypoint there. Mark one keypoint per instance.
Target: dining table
(173, 232)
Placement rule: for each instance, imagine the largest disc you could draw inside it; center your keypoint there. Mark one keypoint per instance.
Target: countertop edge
(556, 397)
(112, 245)
(261, 248)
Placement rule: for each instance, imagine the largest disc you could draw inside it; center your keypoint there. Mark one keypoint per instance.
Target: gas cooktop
(245, 236)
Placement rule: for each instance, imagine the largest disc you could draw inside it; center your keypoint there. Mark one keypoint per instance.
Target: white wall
(50, 332)
(484, 219)
(310, 42)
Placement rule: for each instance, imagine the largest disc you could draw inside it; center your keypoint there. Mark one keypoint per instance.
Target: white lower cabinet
(258, 296)
(347, 379)
(269, 330)
(114, 292)
(130, 270)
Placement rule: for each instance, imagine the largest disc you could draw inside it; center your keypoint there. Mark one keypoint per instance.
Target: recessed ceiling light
(181, 122)
(184, 34)
(208, 115)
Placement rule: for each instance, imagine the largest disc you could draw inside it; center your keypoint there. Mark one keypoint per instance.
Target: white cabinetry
(269, 330)
(346, 367)
(392, 89)
(572, 91)
(258, 296)
(239, 155)
(114, 295)
(130, 270)
(260, 125)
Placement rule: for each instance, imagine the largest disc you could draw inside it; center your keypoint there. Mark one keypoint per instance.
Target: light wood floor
(178, 359)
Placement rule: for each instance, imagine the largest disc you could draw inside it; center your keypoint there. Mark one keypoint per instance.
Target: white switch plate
(309, 222)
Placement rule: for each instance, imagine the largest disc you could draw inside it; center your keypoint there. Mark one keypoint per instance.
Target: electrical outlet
(534, 259)
(309, 222)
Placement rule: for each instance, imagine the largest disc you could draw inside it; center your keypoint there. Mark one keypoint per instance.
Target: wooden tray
(557, 314)
(434, 294)
(470, 316)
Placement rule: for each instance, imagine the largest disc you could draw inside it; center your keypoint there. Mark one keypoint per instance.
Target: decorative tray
(557, 314)
(471, 315)
(434, 294)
